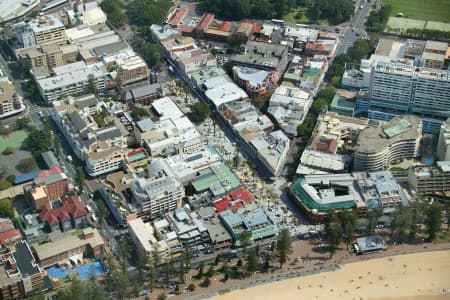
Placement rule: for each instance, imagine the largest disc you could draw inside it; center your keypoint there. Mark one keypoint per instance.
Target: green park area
(14, 139)
(298, 15)
(430, 10)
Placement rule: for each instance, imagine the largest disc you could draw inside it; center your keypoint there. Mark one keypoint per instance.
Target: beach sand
(412, 276)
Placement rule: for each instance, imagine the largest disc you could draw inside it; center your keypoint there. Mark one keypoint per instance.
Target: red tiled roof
(225, 26)
(329, 146)
(10, 236)
(237, 198)
(315, 46)
(243, 194)
(46, 173)
(6, 225)
(206, 18)
(72, 206)
(177, 17)
(186, 28)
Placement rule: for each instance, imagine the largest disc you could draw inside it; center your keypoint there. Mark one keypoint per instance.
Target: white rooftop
(225, 93)
(167, 109)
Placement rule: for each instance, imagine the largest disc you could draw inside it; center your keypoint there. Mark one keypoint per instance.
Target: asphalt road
(354, 29)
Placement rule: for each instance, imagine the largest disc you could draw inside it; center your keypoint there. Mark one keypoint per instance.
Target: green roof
(307, 201)
(342, 103)
(402, 126)
(215, 177)
(311, 72)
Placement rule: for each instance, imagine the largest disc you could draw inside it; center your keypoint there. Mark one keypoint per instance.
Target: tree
(348, 222)
(181, 272)
(114, 12)
(139, 112)
(191, 287)
(210, 272)
(80, 179)
(22, 123)
(26, 165)
(327, 93)
(217, 260)
(234, 41)
(201, 270)
(206, 282)
(266, 265)
(360, 50)
(92, 85)
(252, 261)
(245, 239)
(199, 112)
(9, 150)
(38, 141)
(11, 179)
(140, 263)
(4, 184)
(305, 129)
(284, 246)
(433, 217)
(236, 161)
(373, 216)
(6, 208)
(162, 296)
(57, 145)
(144, 13)
(334, 234)
(400, 224)
(226, 271)
(101, 213)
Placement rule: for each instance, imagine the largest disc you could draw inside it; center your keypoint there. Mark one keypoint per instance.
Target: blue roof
(26, 177)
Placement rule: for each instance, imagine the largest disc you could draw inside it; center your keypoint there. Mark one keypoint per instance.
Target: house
(71, 214)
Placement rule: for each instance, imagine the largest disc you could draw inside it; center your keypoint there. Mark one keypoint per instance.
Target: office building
(48, 55)
(443, 147)
(402, 88)
(130, 67)
(429, 180)
(48, 29)
(377, 148)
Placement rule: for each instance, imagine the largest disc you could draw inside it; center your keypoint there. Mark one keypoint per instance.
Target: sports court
(14, 139)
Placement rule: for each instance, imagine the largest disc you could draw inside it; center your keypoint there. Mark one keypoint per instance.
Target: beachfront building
(70, 248)
(377, 148)
(250, 218)
(143, 236)
(428, 180)
(368, 244)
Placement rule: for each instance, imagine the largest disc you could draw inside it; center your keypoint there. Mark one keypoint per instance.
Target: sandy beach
(411, 276)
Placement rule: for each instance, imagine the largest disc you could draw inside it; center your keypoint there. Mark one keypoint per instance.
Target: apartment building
(377, 148)
(20, 275)
(144, 238)
(48, 29)
(429, 180)
(443, 147)
(10, 102)
(48, 55)
(272, 148)
(129, 66)
(161, 192)
(88, 130)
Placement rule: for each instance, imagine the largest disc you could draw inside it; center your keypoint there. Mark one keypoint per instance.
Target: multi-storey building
(71, 79)
(20, 275)
(129, 67)
(403, 88)
(377, 148)
(48, 55)
(443, 147)
(157, 195)
(10, 102)
(431, 180)
(48, 29)
(86, 127)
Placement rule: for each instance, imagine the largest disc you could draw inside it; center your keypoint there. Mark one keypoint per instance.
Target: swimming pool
(84, 271)
(137, 156)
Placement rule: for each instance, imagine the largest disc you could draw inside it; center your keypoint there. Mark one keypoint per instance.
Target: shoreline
(341, 262)
(384, 276)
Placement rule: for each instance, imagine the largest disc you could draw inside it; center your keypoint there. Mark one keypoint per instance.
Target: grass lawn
(292, 17)
(14, 139)
(436, 10)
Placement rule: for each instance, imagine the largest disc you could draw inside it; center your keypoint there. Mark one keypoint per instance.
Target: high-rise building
(401, 88)
(443, 147)
(430, 179)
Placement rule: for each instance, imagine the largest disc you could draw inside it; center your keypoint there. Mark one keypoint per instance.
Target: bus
(278, 22)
